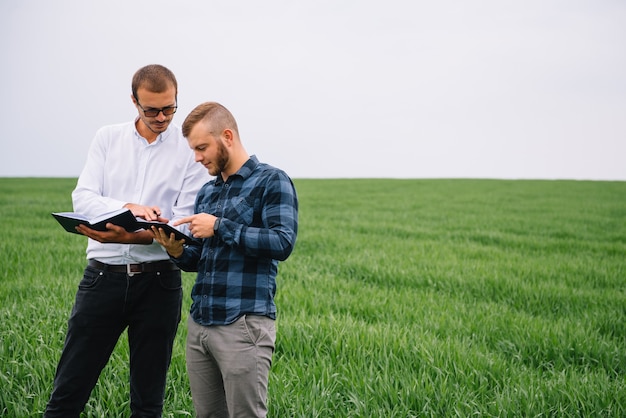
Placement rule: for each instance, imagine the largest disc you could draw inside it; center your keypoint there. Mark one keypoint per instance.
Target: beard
(155, 126)
(221, 159)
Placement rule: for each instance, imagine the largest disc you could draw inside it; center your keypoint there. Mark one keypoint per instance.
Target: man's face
(209, 150)
(148, 102)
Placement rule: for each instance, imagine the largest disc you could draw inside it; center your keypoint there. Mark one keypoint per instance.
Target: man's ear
(227, 136)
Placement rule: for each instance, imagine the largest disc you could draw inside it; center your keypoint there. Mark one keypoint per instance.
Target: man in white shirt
(129, 283)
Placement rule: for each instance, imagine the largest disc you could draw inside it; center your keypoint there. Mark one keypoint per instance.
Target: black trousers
(107, 303)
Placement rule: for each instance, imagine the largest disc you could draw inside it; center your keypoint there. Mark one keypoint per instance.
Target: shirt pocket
(203, 208)
(241, 210)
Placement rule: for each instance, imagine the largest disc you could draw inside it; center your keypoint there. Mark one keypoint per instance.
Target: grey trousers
(228, 366)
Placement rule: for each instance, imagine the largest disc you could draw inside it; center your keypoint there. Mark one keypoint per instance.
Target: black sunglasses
(152, 113)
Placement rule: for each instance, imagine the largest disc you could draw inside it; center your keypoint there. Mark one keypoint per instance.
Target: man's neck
(235, 164)
(145, 132)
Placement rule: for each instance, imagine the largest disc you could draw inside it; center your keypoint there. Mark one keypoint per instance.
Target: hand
(149, 213)
(116, 234)
(171, 245)
(200, 224)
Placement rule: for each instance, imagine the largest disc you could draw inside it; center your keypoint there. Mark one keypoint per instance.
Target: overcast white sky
(321, 88)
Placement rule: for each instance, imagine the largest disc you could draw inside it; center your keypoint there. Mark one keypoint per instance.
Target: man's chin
(158, 128)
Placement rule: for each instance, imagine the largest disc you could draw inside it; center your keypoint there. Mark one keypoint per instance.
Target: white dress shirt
(123, 168)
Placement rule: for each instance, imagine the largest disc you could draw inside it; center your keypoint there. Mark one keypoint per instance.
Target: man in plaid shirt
(247, 218)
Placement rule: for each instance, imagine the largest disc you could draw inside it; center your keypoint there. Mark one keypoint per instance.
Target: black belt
(165, 265)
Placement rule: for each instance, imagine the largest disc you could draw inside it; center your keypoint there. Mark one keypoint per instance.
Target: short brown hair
(215, 114)
(154, 77)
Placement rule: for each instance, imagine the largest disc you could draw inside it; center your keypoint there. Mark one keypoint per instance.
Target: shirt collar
(160, 137)
(244, 172)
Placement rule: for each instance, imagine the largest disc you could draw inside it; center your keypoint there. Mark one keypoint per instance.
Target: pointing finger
(184, 220)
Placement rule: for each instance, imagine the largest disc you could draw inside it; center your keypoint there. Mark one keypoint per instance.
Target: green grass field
(403, 298)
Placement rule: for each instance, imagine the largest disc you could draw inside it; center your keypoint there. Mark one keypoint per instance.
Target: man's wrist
(182, 250)
(216, 225)
(140, 237)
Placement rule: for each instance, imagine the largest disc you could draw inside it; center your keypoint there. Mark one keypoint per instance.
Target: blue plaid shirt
(237, 267)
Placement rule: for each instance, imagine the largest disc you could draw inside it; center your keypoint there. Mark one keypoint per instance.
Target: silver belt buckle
(132, 269)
